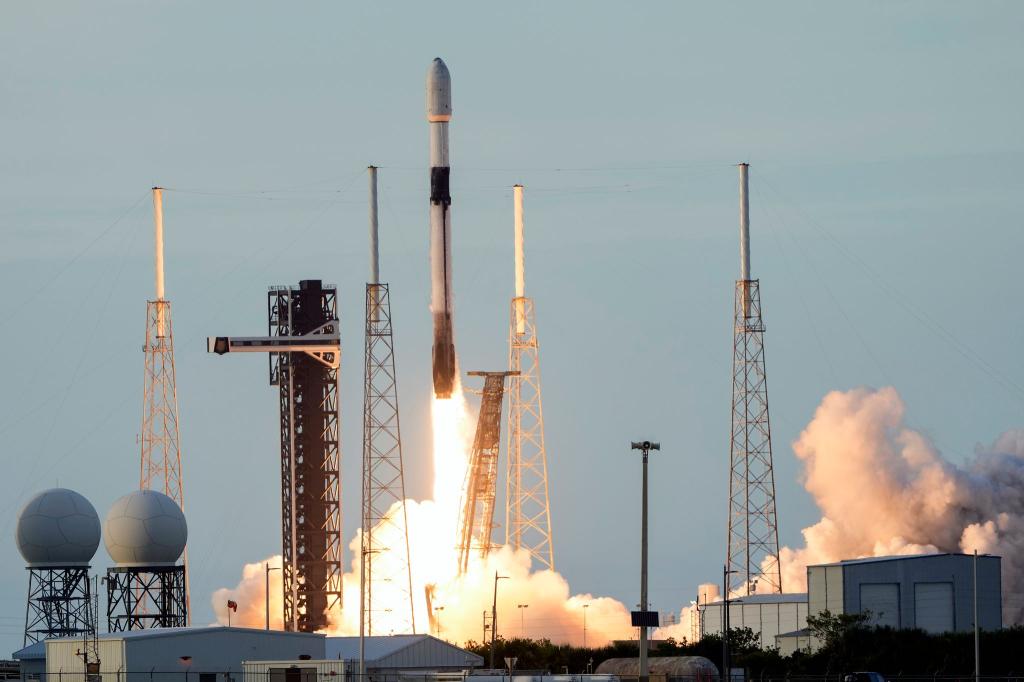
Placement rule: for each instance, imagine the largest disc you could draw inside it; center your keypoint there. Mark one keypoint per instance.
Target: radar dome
(145, 528)
(58, 527)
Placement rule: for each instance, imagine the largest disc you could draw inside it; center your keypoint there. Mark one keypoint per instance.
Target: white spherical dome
(58, 527)
(145, 528)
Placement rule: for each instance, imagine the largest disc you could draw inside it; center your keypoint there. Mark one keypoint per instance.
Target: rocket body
(439, 113)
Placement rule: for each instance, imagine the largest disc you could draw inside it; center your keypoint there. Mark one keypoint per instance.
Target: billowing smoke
(884, 489)
(457, 602)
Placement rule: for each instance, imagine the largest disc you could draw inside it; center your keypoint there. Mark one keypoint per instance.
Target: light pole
(726, 676)
(977, 642)
(437, 618)
(522, 619)
(585, 607)
(494, 614)
(266, 594)
(645, 448)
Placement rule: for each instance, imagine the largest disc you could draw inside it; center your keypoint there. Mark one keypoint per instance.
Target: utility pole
(977, 640)
(266, 594)
(726, 675)
(644, 618)
(494, 614)
(585, 607)
(522, 619)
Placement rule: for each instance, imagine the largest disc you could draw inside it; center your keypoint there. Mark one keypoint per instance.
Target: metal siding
(933, 607)
(834, 589)
(816, 589)
(883, 601)
(63, 663)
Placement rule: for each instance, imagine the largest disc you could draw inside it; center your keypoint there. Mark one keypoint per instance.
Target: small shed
(662, 668)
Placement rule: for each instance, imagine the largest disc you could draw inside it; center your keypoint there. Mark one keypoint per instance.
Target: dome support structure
(59, 603)
(145, 597)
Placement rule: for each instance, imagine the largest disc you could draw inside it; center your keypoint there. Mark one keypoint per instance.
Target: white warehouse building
(208, 654)
(768, 615)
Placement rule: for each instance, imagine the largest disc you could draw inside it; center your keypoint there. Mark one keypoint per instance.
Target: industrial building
(138, 655)
(930, 592)
(768, 615)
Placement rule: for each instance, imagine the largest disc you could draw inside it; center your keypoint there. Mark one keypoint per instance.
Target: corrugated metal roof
(901, 557)
(33, 652)
(378, 648)
(179, 632)
(794, 597)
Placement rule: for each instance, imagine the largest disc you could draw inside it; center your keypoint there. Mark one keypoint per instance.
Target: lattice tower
(160, 436)
(310, 475)
(753, 543)
(141, 598)
(387, 594)
(527, 505)
(476, 525)
(527, 510)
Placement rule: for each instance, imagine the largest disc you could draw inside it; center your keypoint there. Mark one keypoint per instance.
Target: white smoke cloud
(550, 609)
(884, 489)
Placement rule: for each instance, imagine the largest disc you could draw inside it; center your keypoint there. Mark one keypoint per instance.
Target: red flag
(233, 605)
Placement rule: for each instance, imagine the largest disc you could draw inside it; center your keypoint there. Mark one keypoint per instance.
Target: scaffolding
(753, 542)
(476, 526)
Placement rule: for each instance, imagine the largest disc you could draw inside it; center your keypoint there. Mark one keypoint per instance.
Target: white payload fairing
(439, 113)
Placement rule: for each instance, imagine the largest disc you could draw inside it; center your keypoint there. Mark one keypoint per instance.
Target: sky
(882, 139)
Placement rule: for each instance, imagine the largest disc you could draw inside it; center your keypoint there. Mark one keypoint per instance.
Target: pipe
(374, 251)
(745, 238)
(517, 205)
(158, 219)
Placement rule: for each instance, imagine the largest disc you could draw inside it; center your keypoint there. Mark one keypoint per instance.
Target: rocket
(439, 113)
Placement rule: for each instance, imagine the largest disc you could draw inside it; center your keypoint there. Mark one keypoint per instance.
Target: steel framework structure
(145, 597)
(753, 550)
(59, 604)
(476, 526)
(160, 437)
(310, 456)
(527, 505)
(385, 523)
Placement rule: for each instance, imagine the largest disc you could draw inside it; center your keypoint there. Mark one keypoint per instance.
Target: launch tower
(160, 436)
(476, 526)
(304, 349)
(385, 523)
(753, 545)
(527, 508)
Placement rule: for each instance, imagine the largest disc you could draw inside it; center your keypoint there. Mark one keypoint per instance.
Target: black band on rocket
(439, 192)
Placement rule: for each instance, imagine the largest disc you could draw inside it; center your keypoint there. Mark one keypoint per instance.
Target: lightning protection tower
(753, 546)
(527, 506)
(305, 350)
(160, 437)
(476, 526)
(385, 571)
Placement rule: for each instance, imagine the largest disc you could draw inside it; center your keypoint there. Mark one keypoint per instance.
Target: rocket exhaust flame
(439, 113)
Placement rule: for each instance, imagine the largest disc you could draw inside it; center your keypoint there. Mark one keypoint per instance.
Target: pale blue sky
(885, 200)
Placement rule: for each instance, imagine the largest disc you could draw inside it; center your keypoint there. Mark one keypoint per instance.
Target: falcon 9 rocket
(439, 113)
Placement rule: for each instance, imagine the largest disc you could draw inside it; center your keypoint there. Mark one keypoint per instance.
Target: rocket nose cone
(439, 91)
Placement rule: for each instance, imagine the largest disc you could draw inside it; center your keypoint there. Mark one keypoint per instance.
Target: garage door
(883, 601)
(933, 607)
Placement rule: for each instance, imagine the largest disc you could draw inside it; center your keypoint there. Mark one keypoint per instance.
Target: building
(930, 592)
(208, 654)
(768, 615)
(388, 659)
